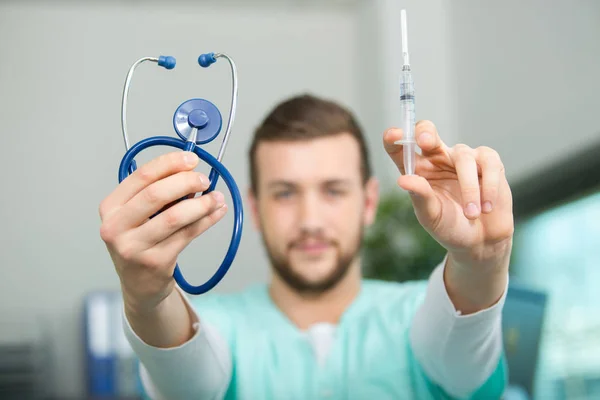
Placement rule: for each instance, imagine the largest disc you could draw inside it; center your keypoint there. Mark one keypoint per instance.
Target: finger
(465, 164)
(159, 168)
(178, 241)
(390, 136)
(177, 217)
(160, 194)
(427, 205)
(428, 138)
(492, 171)
(396, 151)
(154, 198)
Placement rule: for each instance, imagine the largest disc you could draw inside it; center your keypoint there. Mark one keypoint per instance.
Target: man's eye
(334, 192)
(284, 194)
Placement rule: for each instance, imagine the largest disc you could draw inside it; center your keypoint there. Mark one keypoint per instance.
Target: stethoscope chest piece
(200, 114)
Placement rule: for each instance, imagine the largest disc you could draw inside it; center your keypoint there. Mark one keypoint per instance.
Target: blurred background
(520, 77)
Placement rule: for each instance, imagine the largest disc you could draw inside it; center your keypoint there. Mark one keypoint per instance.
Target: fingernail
(190, 158)
(218, 196)
(487, 206)
(471, 209)
(204, 180)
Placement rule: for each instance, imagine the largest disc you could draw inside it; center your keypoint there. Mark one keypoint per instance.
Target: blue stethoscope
(196, 121)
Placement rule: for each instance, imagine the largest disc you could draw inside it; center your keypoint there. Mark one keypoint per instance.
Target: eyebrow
(289, 184)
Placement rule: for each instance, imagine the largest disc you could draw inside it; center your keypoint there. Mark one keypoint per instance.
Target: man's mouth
(312, 247)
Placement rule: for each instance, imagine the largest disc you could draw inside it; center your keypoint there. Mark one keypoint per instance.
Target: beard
(282, 266)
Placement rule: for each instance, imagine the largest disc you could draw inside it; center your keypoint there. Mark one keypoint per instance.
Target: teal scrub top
(370, 357)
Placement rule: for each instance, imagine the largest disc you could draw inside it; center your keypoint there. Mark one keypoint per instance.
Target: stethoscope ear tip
(205, 60)
(167, 62)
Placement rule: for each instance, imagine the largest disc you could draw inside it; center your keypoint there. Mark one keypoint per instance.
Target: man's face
(311, 207)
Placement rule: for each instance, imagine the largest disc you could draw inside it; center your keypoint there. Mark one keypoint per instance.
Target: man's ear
(371, 200)
(253, 202)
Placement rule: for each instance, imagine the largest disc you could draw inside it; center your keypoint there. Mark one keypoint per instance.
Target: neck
(304, 310)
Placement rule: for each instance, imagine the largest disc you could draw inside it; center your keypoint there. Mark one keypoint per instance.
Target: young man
(318, 330)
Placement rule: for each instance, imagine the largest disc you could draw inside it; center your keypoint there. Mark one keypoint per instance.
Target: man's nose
(311, 214)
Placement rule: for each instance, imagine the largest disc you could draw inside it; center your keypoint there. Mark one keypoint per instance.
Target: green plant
(396, 247)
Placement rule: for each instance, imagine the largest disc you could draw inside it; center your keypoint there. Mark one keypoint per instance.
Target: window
(557, 251)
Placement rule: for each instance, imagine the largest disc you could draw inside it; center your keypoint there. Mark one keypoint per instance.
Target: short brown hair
(307, 117)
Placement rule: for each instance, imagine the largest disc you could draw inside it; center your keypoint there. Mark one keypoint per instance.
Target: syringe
(407, 104)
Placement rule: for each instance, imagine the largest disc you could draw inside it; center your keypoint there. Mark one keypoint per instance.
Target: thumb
(427, 206)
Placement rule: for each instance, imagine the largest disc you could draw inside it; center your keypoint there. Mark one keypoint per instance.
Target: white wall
(527, 78)
(61, 77)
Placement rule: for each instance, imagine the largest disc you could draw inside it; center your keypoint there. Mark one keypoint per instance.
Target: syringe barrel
(407, 104)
